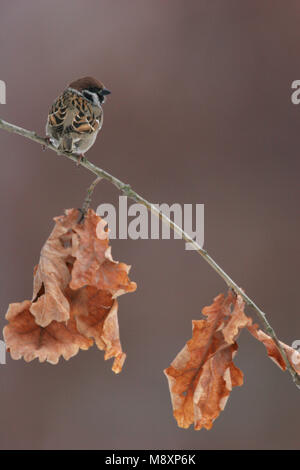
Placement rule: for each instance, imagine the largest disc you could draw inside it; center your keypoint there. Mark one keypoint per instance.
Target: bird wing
(71, 112)
(85, 120)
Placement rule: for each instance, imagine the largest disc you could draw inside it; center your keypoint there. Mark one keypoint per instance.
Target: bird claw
(80, 158)
(47, 142)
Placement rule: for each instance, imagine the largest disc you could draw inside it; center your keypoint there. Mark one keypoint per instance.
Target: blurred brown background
(200, 112)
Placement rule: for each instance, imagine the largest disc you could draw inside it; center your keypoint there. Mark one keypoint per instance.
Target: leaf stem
(130, 193)
(88, 199)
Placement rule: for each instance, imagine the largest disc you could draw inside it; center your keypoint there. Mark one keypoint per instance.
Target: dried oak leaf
(52, 275)
(273, 351)
(93, 264)
(202, 375)
(96, 314)
(73, 303)
(25, 338)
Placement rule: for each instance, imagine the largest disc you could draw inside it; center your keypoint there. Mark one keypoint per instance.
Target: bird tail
(67, 144)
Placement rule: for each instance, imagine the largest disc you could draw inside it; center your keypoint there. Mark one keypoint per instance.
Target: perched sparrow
(76, 116)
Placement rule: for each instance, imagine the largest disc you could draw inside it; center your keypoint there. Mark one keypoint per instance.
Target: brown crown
(85, 83)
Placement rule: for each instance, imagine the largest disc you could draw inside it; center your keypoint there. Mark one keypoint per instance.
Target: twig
(129, 192)
(88, 199)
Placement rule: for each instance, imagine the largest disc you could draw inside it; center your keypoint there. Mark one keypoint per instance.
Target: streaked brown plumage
(76, 116)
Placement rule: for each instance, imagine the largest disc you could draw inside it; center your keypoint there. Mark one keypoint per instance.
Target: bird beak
(105, 92)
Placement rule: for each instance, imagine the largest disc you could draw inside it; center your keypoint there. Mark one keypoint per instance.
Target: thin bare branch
(88, 199)
(129, 192)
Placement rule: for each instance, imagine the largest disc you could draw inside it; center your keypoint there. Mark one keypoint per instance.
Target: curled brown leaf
(74, 297)
(273, 351)
(25, 338)
(202, 375)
